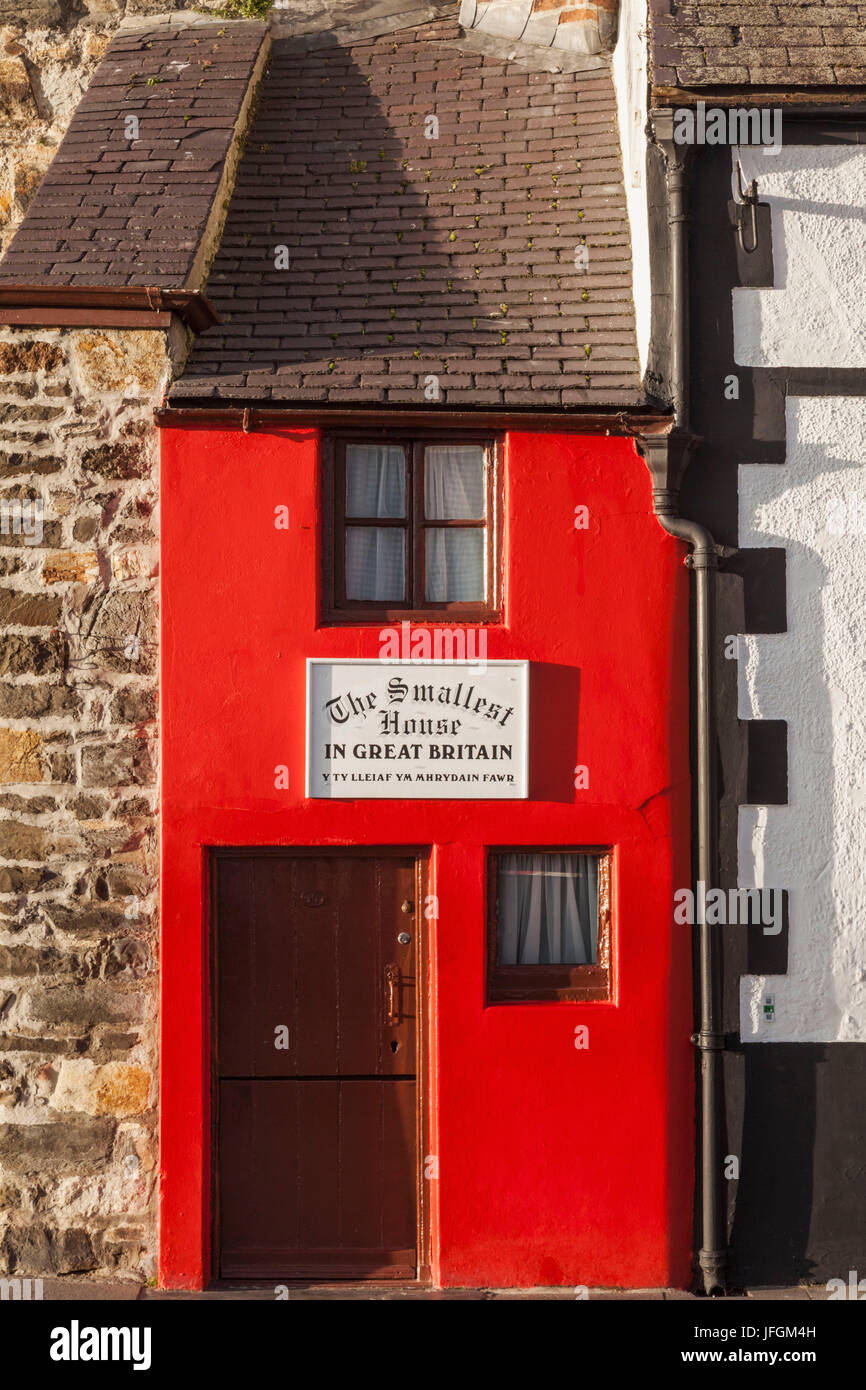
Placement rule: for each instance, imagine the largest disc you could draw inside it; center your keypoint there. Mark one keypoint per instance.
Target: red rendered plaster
(556, 1165)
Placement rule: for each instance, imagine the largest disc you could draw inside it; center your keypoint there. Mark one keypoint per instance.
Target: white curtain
(454, 482)
(548, 909)
(375, 481)
(375, 555)
(454, 491)
(453, 565)
(375, 562)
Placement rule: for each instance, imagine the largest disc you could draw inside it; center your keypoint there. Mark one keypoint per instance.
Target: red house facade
(544, 1137)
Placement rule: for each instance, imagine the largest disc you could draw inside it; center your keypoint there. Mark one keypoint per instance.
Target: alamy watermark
(408, 643)
(735, 125)
(77, 1343)
(733, 907)
(21, 1290)
(22, 516)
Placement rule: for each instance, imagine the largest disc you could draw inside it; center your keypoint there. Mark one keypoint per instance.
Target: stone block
(36, 960)
(14, 879)
(128, 958)
(33, 700)
(14, 464)
(113, 1089)
(82, 1006)
(20, 755)
(20, 841)
(85, 528)
(128, 762)
(37, 13)
(31, 656)
(114, 360)
(86, 920)
(29, 610)
(67, 1147)
(16, 97)
(34, 1250)
(133, 705)
(138, 563)
(70, 567)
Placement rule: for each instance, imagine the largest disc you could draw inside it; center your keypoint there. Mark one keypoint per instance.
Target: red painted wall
(557, 1165)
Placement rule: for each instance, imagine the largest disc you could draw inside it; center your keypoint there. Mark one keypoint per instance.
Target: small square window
(412, 530)
(549, 932)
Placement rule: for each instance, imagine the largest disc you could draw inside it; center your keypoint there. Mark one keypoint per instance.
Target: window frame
(515, 984)
(335, 607)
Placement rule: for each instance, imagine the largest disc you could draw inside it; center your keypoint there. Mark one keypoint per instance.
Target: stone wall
(78, 768)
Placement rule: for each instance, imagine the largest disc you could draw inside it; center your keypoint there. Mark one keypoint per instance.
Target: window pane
(375, 480)
(548, 909)
(454, 482)
(453, 565)
(375, 562)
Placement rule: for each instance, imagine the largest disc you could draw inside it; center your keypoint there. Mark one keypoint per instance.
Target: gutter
(639, 422)
(815, 100)
(97, 306)
(667, 459)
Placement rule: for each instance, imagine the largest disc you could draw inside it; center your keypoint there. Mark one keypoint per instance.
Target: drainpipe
(667, 459)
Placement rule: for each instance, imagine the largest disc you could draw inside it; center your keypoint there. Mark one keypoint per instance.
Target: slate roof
(115, 211)
(411, 258)
(762, 43)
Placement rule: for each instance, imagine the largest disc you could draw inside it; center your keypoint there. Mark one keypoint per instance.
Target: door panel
(317, 1147)
(305, 943)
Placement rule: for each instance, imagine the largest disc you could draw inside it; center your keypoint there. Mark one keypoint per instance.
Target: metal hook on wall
(748, 198)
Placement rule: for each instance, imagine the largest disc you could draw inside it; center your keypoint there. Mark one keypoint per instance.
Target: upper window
(549, 925)
(414, 530)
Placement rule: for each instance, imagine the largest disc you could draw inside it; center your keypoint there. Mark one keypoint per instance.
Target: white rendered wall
(630, 81)
(814, 675)
(815, 316)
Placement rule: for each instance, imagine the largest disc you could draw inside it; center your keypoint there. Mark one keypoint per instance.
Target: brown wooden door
(316, 1011)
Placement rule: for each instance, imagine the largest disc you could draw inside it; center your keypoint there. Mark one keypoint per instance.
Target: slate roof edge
(211, 235)
(177, 21)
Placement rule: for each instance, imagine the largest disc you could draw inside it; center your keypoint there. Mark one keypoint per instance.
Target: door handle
(392, 995)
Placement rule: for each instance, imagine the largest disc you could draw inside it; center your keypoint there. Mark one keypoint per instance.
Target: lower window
(549, 934)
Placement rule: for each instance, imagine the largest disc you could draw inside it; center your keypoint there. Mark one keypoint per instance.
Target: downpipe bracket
(702, 559)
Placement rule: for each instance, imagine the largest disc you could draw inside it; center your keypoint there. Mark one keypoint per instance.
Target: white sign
(418, 729)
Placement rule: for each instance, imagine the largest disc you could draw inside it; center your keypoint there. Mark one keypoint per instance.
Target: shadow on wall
(798, 1213)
